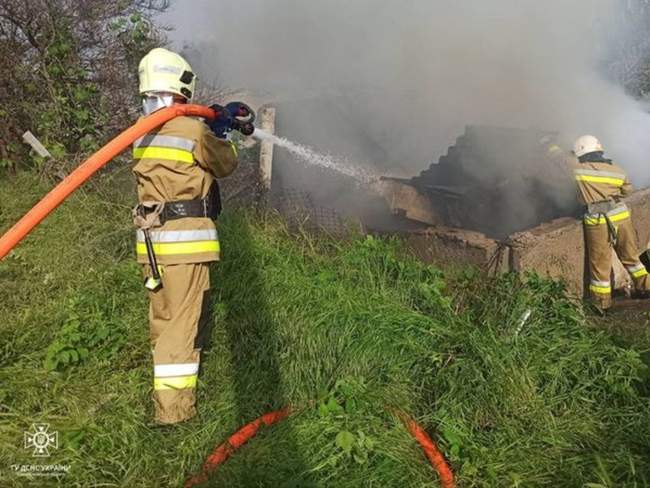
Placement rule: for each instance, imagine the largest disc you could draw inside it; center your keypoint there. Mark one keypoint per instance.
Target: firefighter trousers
(599, 250)
(179, 315)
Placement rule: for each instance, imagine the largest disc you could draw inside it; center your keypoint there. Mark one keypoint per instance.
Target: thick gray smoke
(409, 76)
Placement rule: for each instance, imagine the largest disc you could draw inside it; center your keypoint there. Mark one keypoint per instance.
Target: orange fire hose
(224, 450)
(89, 167)
(431, 451)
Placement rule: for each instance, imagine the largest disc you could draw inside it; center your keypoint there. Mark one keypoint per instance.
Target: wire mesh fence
(298, 208)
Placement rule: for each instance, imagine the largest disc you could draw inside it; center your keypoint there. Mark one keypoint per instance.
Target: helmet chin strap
(155, 101)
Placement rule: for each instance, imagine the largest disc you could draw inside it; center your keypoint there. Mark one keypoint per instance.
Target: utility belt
(148, 215)
(209, 207)
(602, 207)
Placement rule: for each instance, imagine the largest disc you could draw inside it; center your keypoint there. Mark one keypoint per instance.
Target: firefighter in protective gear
(176, 169)
(558, 189)
(607, 221)
(554, 153)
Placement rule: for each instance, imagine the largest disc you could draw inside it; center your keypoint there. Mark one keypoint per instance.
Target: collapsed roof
(494, 180)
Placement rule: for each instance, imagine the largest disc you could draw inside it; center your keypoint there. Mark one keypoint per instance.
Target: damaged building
(495, 200)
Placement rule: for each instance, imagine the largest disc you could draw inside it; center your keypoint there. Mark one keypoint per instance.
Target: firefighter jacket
(601, 186)
(180, 162)
(601, 181)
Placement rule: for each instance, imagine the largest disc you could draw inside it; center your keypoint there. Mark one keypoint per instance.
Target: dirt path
(629, 323)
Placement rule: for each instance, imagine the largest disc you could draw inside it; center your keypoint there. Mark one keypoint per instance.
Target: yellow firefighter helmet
(163, 71)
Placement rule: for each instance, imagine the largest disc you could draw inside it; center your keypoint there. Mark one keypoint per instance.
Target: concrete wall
(554, 249)
(447, 247)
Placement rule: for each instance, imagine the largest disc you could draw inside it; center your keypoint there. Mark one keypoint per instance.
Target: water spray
(307, 155)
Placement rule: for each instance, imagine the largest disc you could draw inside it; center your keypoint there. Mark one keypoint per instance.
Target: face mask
(153, 102)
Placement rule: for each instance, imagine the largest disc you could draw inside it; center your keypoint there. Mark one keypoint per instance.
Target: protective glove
(223, 123)
(229, 119)
(238, 109)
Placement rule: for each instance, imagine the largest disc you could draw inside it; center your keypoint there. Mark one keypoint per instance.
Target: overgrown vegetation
(70, 71)
(345, 332)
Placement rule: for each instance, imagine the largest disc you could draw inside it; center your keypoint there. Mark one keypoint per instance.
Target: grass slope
(346, 332)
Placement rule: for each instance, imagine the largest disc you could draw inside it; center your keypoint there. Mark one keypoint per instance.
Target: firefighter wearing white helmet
(607, 221)
(587, 145)
(176, 170)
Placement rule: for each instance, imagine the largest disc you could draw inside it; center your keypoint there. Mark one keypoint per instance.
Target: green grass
(344, 331)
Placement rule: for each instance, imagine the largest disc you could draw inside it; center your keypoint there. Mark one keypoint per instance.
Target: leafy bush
(71, 70)
(90, 326)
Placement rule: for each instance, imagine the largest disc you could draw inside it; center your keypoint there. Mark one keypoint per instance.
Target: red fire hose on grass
(89, 167)
(224, 450)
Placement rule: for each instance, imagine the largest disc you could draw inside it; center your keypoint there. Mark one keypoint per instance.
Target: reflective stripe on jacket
(598, 181)
(167, 243)
(170, 148)
(179, 162)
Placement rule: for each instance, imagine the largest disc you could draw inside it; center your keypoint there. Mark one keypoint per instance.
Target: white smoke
(412, 74)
